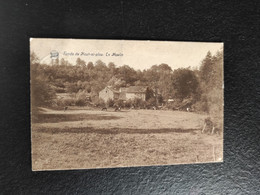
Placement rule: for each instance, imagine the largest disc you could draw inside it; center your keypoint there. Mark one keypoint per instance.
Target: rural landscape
(88, 115)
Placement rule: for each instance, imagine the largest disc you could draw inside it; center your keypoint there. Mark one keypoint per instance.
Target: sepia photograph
(125, 103)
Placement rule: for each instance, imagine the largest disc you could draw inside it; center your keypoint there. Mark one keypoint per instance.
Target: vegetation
(42, 92)
(200, 89)
(92, 138)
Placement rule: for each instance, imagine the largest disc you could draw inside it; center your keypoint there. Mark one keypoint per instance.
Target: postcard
(124, 103)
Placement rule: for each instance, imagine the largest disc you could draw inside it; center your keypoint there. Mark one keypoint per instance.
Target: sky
(137, 54)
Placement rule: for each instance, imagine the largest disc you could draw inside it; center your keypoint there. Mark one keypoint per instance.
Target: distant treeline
(201, 86)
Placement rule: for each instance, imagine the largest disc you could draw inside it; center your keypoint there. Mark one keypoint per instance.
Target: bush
(143, 104)
(110, 103)
(42, 93)
(151, 102)
(65, 102)
(80, 102)
(69, 102)
(171, 106)
(137, 102)
(128, 103)
(120, 103)
(98, 102)
(175, 105)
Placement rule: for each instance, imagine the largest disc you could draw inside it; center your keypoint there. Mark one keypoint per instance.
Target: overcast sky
(137, 54)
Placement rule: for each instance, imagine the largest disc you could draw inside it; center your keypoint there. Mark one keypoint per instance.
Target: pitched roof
(122, 89)
(110, 88)
(136, 89)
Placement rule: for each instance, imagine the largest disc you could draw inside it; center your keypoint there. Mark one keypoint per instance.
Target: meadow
(90, 138)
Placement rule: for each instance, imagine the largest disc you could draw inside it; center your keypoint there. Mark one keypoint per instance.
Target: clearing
(81, 138)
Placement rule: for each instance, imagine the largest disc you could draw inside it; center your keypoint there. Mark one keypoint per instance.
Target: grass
(54, 118)
(77, 139)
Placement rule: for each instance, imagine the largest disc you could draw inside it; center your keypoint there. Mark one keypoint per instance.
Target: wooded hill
(202, 86)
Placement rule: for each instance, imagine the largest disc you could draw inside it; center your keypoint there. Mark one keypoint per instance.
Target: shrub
(128, 103)
(65, 102)
(151, 102)
(98, 102)
(137, 102)
(80, 102)
(42, 93)
(143, 104)
(120, 103)
(69, 102)
(110, 103)
(175, 105)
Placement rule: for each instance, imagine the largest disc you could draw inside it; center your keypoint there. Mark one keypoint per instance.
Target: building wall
(135, 95)
(116, 96)
(106, 94)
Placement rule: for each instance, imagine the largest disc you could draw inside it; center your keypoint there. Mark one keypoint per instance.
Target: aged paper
(119, 103)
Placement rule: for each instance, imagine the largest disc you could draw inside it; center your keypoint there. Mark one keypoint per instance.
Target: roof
(122, 89)
(110, 88)
(136, 89)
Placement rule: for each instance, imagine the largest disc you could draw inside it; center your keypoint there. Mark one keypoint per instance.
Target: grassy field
(81, 138)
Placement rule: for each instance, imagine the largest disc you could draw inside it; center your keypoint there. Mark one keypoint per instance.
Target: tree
(149, 94)
(56, 61)
(211, 81)
(116, 83)
(152, 75)
(164, 68)
(111, 67)
(80, 62)
(34, 58)
(42, 92)
(165, 85)
(185, 83)
(100, 66)
(90, 66)
(206, 68)
(72, 87)
(127, 74)
(64, 62)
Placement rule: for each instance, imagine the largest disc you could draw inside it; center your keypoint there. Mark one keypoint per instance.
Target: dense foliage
(200, 89)
(42, 92)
